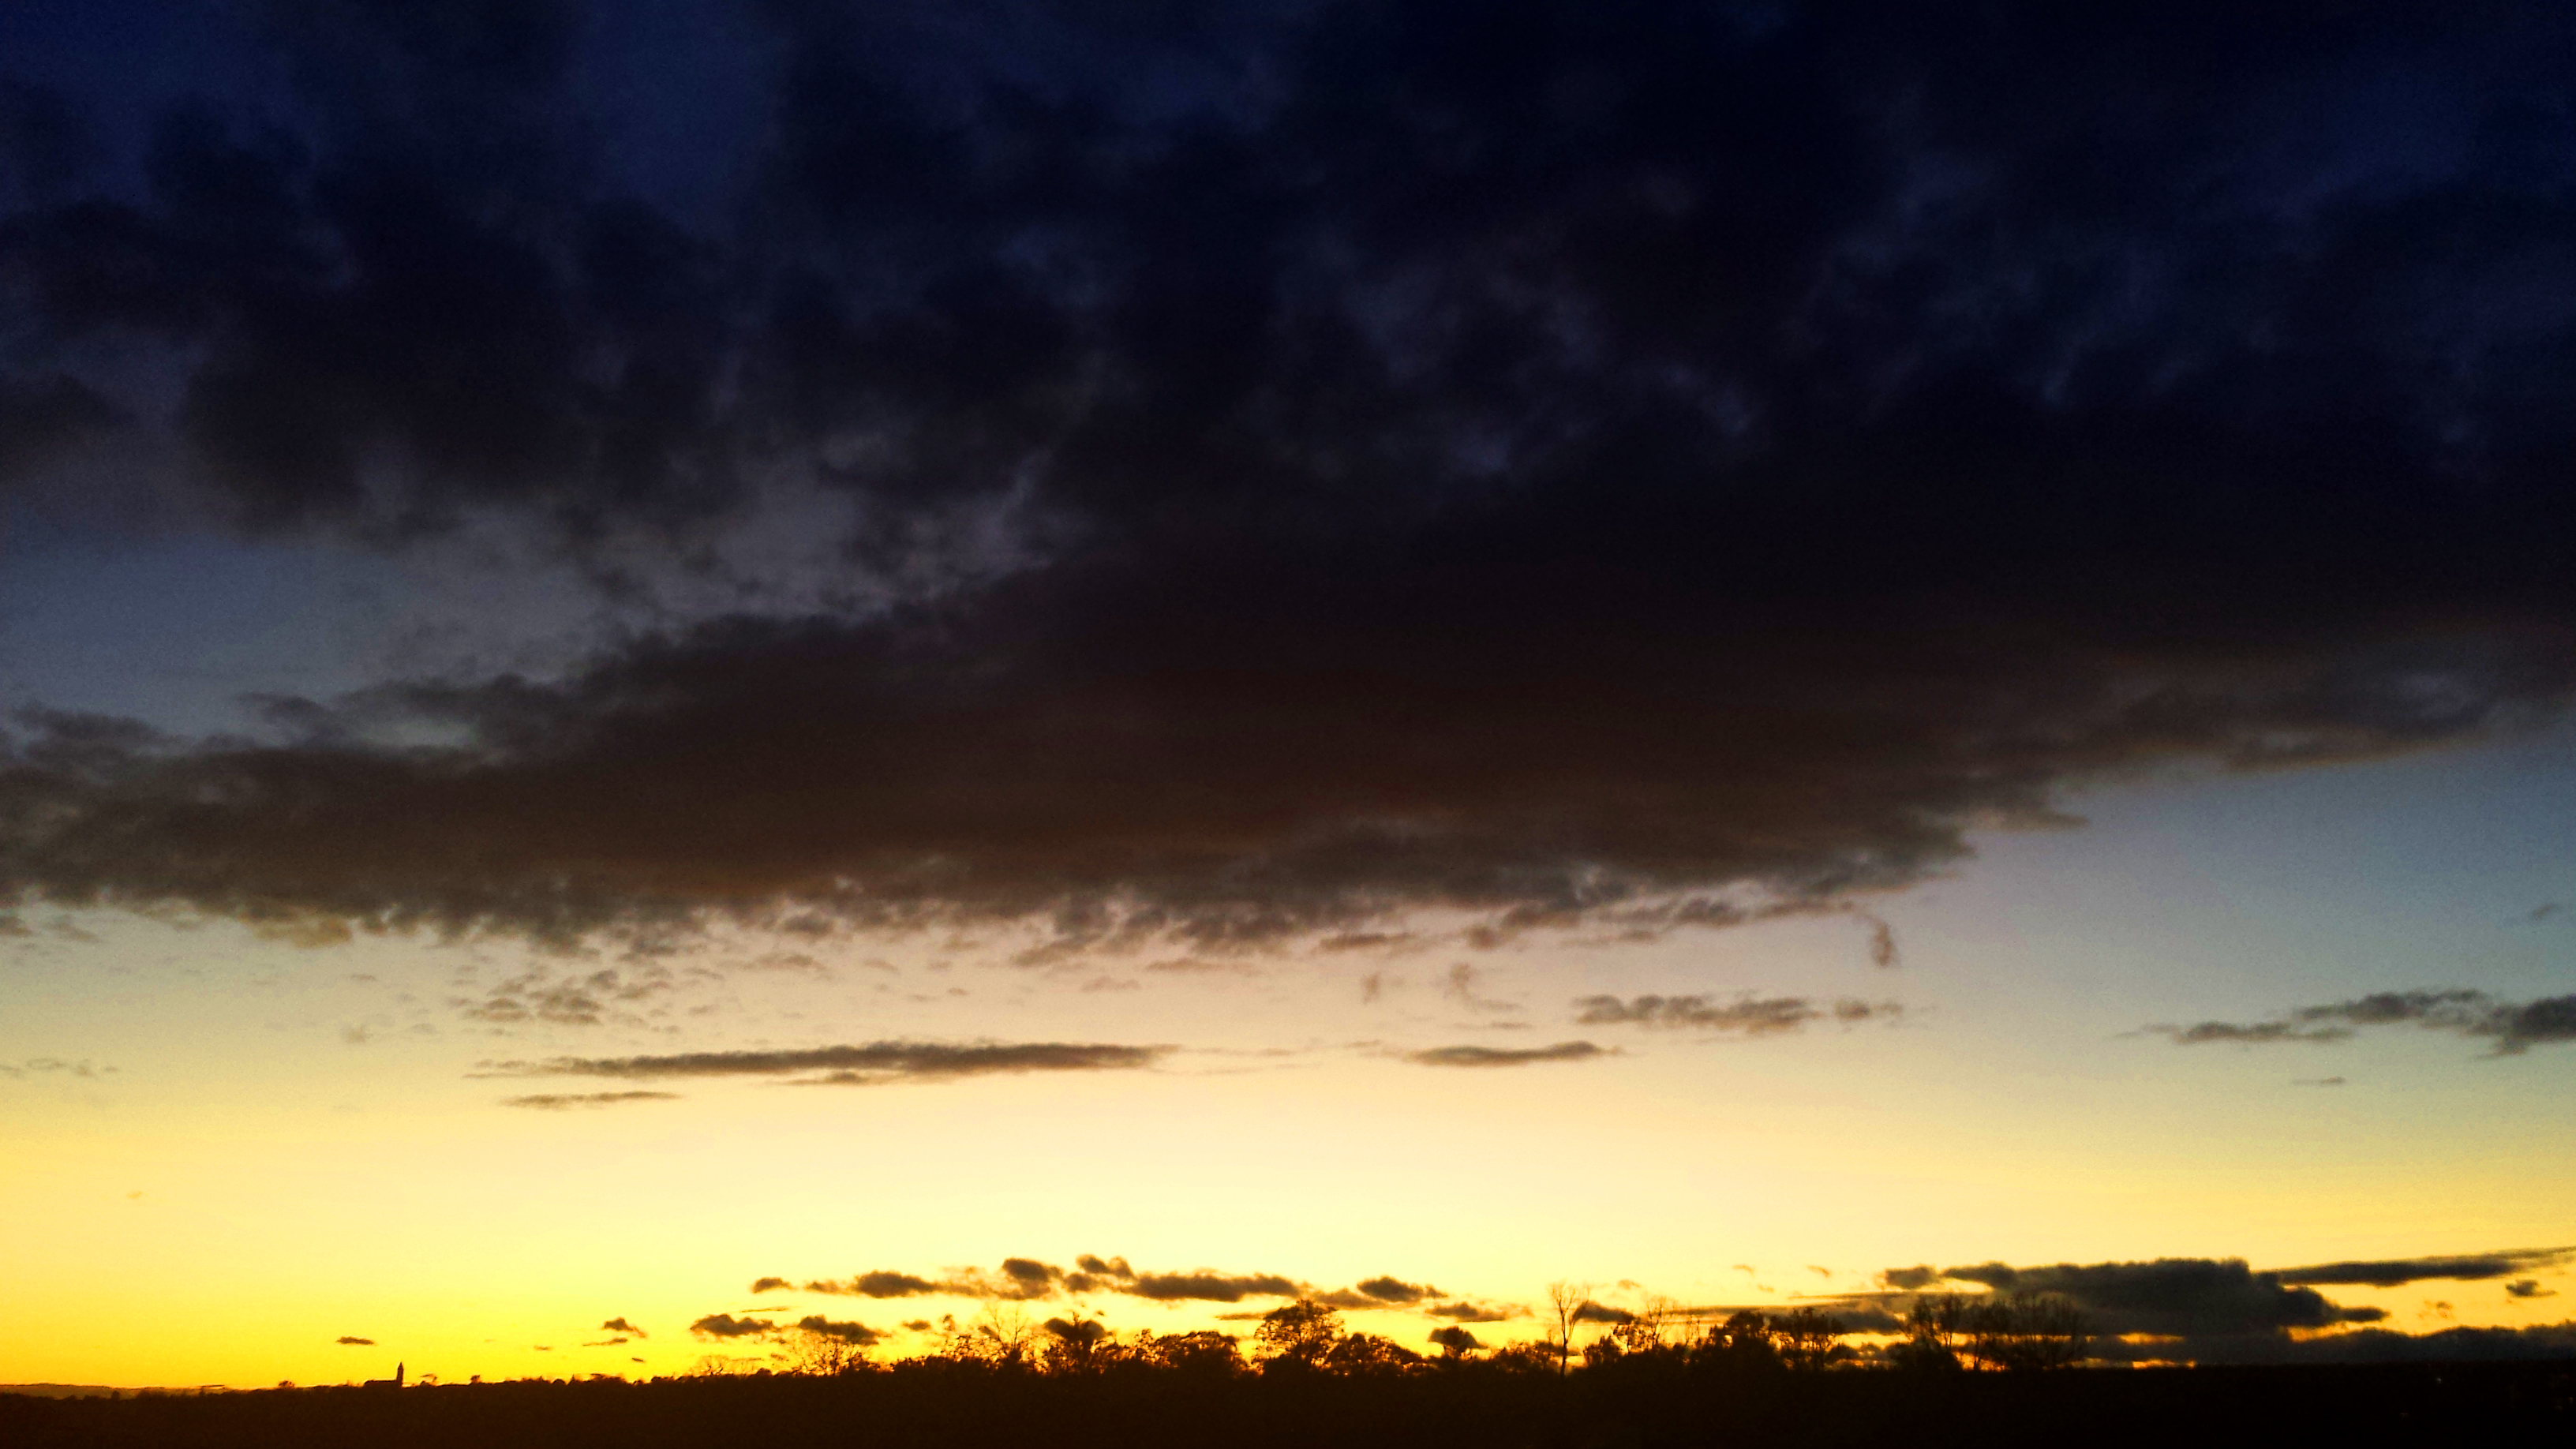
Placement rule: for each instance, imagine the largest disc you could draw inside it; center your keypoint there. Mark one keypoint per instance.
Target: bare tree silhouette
(1564, 1300)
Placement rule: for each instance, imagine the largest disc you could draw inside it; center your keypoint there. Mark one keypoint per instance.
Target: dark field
(1463, 1405)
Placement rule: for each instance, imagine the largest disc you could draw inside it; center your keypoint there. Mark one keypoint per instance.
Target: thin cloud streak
(1483, 1057)
(855, 1065)
(2512, 1028)
(1747, 1015)
(566, 1101)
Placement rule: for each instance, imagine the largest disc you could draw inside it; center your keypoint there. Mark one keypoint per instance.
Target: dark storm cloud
(2513, 1028)
(1747, 1015)
(565, 1101)
(862, 1065)
(1477, 1056)
(2390, 1272)
(1582, 466)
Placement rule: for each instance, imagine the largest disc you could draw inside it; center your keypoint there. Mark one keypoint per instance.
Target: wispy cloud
(1746, 1015)
(869, 1064)
(566, 1101)
(1482, 1056)
(2391, 1272)
(53, 1066)
(2513, 1028)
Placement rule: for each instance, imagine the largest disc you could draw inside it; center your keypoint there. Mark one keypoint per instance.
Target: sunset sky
(1148, 658)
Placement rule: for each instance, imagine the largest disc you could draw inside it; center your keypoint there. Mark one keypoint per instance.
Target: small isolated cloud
(2528, 1288)
(769, 1285)
(1396, 1290)
(868, 1285)
(1468, 1311)
(1205, 1286)
(1920, 1276)
(1746, 1015)
(1478, 1056)
(725, 1325)
(1882, 943)
(1460, 986)
(2512, 1028)
(54, 1066)
(353, 1341)
(620, 1325)
(858, 1334)
(2317, 1082)
(1455, 1339)
(566, 1101)
(861, 1065)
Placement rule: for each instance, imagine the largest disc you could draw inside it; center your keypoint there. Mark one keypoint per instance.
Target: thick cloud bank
(1604, 465)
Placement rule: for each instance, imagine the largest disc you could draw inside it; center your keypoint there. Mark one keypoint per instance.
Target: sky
(671, 668)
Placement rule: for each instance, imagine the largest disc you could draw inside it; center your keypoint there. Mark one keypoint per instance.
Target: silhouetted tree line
(1477, 1403)
(2019, 1331)
(1651, 1377)
(1945, 1333)
(1307, 1337)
